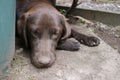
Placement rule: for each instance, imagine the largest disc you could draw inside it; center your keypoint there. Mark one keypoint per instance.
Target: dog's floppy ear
(21, 28)
(66, 28)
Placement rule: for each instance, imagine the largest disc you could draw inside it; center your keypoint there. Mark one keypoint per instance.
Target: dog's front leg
(69, 44)
(84, 39)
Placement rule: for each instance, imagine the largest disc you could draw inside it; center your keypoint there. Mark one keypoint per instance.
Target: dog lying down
(43, 29)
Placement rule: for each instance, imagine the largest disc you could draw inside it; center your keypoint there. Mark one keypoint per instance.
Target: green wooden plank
(7, 31)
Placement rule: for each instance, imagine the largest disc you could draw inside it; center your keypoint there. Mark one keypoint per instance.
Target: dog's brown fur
(43, 28)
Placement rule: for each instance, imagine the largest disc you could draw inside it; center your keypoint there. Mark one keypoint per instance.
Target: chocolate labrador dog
(44, 29)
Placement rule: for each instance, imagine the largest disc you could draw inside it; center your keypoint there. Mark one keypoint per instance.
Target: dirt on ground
(110, 34)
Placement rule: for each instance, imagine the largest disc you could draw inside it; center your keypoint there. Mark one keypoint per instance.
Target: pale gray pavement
(89, 63)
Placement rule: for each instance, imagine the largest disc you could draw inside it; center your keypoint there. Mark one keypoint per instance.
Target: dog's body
(44, 29)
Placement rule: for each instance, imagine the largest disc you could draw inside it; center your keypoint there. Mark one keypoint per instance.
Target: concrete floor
(89, 63)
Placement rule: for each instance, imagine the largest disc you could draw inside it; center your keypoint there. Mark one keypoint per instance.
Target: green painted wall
(7, 32)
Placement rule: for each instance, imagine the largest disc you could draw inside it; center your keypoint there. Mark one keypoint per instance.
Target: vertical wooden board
(7, 32)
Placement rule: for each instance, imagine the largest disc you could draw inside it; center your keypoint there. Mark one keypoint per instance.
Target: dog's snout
(42, 61)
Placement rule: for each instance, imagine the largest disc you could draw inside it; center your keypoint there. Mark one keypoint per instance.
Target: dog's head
(41, 30)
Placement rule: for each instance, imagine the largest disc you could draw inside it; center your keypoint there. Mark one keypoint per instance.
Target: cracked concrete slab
(89, 63)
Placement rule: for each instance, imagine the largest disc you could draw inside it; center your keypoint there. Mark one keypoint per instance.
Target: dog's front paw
(92, 41)
(69, 44)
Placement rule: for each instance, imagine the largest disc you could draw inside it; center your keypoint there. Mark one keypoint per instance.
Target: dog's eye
(55, 32)
(36, 32)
